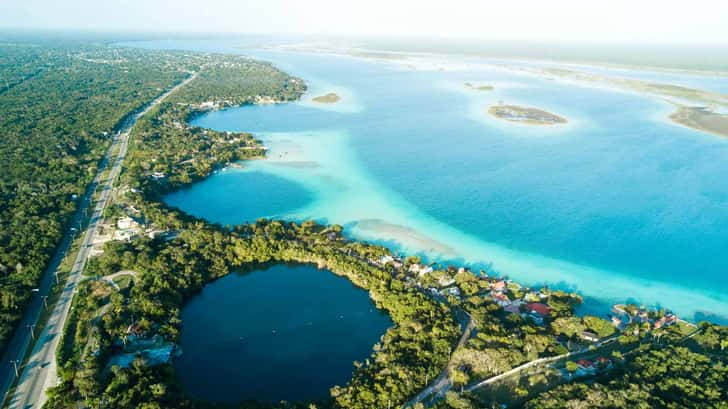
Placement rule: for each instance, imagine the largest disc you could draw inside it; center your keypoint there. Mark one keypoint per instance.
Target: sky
(605, 21)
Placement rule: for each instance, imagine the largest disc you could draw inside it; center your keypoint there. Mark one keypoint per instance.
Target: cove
(282, 332)
(234, 195)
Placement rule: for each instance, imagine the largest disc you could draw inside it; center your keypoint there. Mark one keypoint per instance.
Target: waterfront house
(384, 260)
(499, 285)
(426, 270)
(667, 320)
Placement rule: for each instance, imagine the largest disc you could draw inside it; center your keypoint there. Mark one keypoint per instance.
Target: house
(500, 299)
(585, 363)
(126, 223)
(539, 308)
(513, 308)
(499, 285)
(135, 329)
(420, 269)
(642, 316)
(385, 260)
(425, 270)
(585, 367)
(158, 175)
(589, 336)
(667, 320)
(604, 362)
(618, 323)
(446, 281)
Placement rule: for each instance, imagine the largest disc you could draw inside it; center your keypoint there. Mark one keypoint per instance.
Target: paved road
(443, 383)
(40, 371)
(548, 360)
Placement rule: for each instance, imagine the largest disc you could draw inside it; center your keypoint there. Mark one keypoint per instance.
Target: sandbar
(405, 235)
(330, 98)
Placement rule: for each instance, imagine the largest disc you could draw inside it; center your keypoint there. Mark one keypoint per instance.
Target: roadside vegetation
(59, 105)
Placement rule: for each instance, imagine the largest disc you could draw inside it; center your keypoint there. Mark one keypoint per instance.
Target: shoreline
(437, 241)
(530, 263)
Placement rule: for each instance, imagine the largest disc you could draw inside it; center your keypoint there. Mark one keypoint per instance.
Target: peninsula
(702, 119)
(330, 98)
(691, 103)
(525, 115)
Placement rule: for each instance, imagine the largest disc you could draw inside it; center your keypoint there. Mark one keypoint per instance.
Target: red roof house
(539, 308)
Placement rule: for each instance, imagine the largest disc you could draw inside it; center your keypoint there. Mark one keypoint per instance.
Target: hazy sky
(643, 21)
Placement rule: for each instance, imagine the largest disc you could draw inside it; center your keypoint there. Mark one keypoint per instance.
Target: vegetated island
(702, 119)
(466, 338)
(525, 115)
(477, 87)
(330, 98)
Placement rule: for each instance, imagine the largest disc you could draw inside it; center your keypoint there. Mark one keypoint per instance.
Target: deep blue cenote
(279, 333)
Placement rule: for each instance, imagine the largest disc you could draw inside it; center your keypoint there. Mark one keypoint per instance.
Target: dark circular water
(281, 333)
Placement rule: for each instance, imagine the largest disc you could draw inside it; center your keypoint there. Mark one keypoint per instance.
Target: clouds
(651, 21)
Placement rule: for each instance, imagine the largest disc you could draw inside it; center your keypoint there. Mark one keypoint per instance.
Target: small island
(330, 98)
(477, 87)
(525, 115)
(702, 119)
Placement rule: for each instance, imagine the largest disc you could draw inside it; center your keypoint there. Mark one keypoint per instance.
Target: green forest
(60, 104)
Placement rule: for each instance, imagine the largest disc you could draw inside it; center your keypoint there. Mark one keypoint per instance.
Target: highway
(40, 372)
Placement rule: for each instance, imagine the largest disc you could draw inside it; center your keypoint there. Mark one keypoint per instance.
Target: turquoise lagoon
(619, 204)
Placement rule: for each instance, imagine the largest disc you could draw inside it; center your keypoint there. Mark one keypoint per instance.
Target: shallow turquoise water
(275, 334)
(240, 194)
(619, 204)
